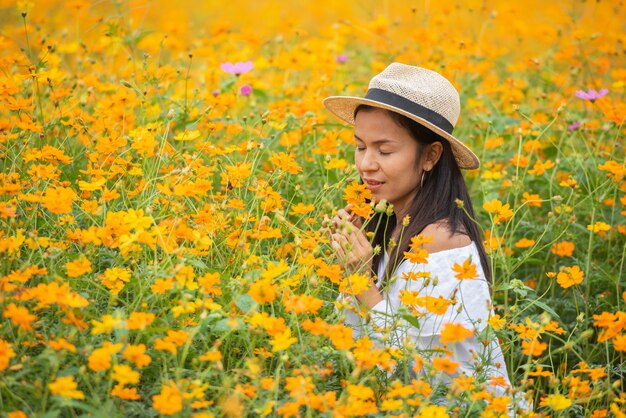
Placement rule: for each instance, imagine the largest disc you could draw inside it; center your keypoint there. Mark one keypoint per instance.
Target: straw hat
(417, 93)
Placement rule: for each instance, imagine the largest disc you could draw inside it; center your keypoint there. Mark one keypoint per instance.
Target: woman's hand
(350, 243)
(354, 250)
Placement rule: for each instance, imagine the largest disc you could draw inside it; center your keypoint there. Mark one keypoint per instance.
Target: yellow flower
(67, 387)
(599, 227)
(108, 324)
(496, 322)
(433, 411)
(93, 186)
(124, 375)
(556, 402)
(355, 284)
(187, 135)
(282, 341)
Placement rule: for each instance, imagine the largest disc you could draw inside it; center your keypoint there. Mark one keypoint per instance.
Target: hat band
(405, 104)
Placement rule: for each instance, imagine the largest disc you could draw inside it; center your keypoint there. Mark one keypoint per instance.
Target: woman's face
(385, 157)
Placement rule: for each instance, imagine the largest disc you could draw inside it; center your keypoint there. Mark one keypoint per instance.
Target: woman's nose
(368, 161)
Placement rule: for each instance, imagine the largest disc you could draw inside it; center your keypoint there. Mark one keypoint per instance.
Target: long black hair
(436, 200)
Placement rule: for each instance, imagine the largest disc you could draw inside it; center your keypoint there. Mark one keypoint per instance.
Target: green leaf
(246, 303)
(411, 320)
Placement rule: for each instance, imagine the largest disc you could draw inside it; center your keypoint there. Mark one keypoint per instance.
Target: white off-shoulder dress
(471, 307)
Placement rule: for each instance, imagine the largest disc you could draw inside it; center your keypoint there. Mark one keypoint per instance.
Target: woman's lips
(373, 185)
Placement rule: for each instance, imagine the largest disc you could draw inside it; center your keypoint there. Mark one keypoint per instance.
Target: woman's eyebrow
(377, 142)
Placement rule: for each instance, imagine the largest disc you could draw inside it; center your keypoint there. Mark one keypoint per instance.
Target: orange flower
(540, 167)
(169, 401)
(451, 333)
(525, 243)
(445, 365)
(356, 194)
(341, 337)
(100, 358)
(139, 320)
(59, 200)
(491, 143)
(211, 355)
(62, 344)
(465, 271)
(301, 209)
(416, 253)
(78, 267)
(531, 199)
(619, 343)
(263, 291)
(563, 248)
(171, 341)
(300, 304)
(569, 276)
(285, 162)
(6, 354)
(533, 348)
(520, 161)
(137, 354)
(500, 212)
(19, 316)
(129, 394)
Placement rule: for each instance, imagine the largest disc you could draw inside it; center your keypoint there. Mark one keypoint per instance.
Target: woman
(406, 155)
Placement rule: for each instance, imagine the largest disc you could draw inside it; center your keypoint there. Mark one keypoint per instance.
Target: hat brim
(344, 106)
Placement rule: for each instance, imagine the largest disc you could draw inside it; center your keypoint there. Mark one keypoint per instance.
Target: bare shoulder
(443, 239)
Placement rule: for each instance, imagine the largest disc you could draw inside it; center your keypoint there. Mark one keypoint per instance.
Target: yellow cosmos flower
(556, 402)
(67, 387)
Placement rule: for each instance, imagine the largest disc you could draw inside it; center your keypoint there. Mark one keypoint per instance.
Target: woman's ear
(432, 155)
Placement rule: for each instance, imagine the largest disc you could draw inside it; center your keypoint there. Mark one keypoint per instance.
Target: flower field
(167, 168)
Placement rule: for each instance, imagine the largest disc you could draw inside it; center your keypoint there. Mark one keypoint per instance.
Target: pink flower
(340, 59)
(237, 68)
(574, 126)
(591, 94)
(246, 90)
